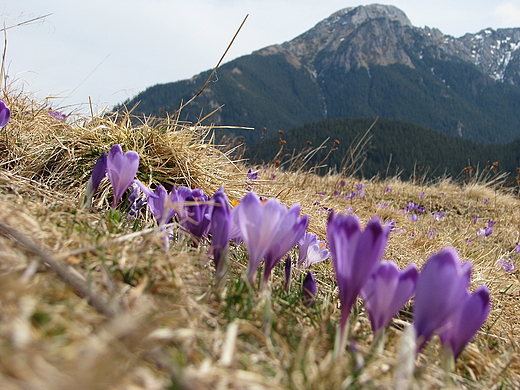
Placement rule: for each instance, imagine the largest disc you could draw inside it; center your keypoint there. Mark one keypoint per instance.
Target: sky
(107, 51)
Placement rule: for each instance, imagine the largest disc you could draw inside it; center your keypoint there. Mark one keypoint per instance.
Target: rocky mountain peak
(355, 16)
(359, 23)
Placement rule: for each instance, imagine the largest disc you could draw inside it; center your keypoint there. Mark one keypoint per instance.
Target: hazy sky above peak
(111, 50)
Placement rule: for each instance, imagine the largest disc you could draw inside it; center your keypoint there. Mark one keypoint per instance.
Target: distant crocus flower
(98, 173)
(5, 114)
(438, 216)
(311, 250)
(386, 292)
(487, 231)
(355, 254)
(58, 115)
(441, 287)
(161, 206)
(413, 217)
(388, 189)
(220, 229)
(252, 175)
(360, 186)
(268, 230)
(121, 170)
(507, 265)
(309, 289)
(465, 322)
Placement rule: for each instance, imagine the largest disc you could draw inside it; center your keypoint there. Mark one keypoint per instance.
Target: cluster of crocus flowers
(442, 304)
(5, 114)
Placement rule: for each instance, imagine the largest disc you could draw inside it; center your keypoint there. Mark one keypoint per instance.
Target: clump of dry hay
(134, 316)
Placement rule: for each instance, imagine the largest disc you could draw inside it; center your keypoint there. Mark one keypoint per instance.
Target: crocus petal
(98, 173)
(287, 273)
(386, 292)
(441, 287)
(5, 114)
(121, 170)
(220, 227)
(466, 321)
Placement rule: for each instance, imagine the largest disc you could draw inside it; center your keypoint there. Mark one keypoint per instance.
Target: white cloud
(508, 14)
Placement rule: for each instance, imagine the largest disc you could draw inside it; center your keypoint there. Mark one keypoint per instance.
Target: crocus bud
(288, 269)
(220, 228)
(121, 170)
(309, 289)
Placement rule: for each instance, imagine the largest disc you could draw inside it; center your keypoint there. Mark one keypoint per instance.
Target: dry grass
(159, 323)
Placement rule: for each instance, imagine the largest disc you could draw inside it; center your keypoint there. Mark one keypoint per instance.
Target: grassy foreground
(89, 299)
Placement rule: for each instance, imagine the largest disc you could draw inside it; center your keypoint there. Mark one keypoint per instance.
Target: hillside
(105, 297)
(386, 147)
(362, 61)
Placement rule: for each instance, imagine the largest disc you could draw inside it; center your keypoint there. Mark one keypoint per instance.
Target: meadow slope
(90, 298)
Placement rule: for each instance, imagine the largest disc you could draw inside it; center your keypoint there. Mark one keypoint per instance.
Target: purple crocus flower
(309, 289)
(441, 287)
(386, 292)
(161, 206)
(311, 250)
(220, 228)
(438, 216)
(252, 175)
(5, 114)
(507, 265)
(121, 170)
(269, 230)
(193, 210)
(98, 173)
(290, 230)
(465, 322)
(413, 217)
(355, 254)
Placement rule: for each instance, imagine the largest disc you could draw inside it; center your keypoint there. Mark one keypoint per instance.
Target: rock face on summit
(351, 38)
(364, 61)
(378, 34)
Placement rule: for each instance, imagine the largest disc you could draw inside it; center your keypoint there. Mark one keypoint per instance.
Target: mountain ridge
(363, 61)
